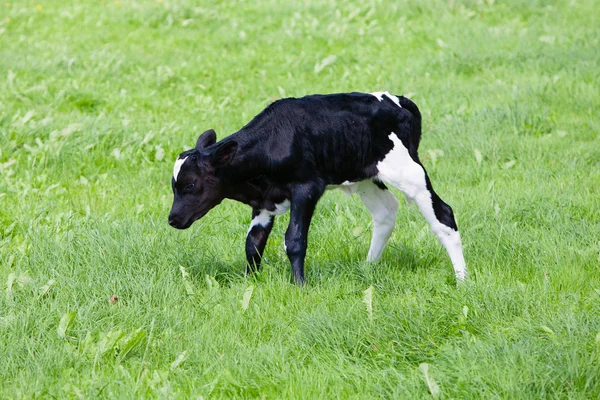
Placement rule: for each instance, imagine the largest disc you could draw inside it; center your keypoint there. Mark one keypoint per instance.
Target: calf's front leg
(258, 234)
(302, 205)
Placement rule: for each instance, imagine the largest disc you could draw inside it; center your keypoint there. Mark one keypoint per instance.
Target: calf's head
(196, 181)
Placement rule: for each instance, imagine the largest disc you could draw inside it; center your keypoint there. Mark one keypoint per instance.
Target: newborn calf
(287, 156)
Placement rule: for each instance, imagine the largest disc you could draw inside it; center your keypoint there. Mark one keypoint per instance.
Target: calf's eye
(189, 188)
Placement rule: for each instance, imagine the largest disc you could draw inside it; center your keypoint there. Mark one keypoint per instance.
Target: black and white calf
(287, 156)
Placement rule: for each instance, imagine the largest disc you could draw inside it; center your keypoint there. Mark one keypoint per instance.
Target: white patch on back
(177, 167)
(393, 98)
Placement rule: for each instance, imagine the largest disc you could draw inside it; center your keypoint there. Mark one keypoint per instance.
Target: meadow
(102, 299)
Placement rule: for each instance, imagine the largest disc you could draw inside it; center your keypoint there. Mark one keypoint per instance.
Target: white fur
(177, 167)
(399, 170)
(281, 208)
(264, 217)
(383, 206)
(349, 188)
(380, 95)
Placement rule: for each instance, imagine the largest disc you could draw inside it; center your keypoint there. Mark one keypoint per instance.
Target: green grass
(98, 98)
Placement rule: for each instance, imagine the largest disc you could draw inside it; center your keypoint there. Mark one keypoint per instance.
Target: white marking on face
(177, 167)
(399, 170)
(393, 98)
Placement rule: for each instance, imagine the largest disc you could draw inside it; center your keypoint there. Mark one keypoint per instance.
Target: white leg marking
(383, 207)
(264, 217)
(380, 95)
(449, 238)
(177, 167)
(349, 188)
(399, 170)
(281, 208)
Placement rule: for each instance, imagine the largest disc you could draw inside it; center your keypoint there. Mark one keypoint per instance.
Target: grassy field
(97, 98)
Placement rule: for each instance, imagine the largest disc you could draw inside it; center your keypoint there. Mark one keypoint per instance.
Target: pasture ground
(97, 98)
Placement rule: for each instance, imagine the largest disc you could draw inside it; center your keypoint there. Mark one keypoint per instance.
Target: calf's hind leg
(383, 207)
(400, 170)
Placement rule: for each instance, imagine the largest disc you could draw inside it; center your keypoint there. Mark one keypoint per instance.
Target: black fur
(256, 242)
(292, 151)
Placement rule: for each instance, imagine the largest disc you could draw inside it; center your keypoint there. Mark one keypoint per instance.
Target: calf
(287, 156)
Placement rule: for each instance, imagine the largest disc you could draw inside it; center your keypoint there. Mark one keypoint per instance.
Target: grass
(98, 98)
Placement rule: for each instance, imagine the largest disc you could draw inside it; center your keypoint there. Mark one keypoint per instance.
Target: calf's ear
(206, 139)
(224, 153)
